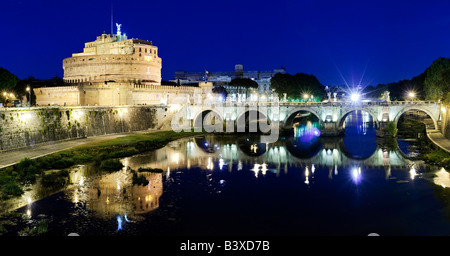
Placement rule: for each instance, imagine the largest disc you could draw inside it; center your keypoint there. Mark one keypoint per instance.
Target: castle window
(140, 49)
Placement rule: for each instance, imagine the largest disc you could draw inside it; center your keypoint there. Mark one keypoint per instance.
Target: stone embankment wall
(445, 121)
(22, 127)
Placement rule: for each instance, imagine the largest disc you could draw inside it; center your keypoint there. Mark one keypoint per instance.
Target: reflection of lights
(412, 172)
(335, 170)
(119, 223)
(264, 168)
(210, 164)
(28, 212)
(307, 174)
(254, 148)
(255, 169)
(168, 171)
(29, 200)
(239, 167)
(125, 164)
(313, 168)
(176, 158)
(221, 163)
(442, 178)
(81, 182)
(125, 217)
(356, 174)
(75, 200)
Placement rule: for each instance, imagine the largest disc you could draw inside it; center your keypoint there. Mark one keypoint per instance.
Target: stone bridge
(331, 115)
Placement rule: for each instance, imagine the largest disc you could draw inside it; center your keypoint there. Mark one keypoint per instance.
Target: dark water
(230, 185)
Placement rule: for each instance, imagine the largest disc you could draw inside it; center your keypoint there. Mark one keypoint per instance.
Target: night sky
(361, 42)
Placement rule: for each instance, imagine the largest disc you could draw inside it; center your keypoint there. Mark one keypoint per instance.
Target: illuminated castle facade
(112, 70)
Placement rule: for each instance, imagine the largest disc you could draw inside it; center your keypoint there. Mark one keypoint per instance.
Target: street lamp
(29, 93)
(354, 97)
(411, 95)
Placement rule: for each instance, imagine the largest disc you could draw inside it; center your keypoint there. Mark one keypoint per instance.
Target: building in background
(222, 78)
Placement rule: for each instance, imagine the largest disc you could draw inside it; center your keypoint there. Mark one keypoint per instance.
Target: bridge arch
(199, 118)
(342, 118)
(405, 109)
(247, 116)
(291, 115)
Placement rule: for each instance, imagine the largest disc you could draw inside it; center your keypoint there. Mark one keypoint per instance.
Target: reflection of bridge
(331, 114)
(208, 151)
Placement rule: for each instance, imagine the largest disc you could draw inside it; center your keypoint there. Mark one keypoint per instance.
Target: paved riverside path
(439, 140)
(11, 157)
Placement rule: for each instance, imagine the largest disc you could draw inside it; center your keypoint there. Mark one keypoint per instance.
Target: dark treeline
(297, 86)
(432, 84)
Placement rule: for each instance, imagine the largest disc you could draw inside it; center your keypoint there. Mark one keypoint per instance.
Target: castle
(113, 70)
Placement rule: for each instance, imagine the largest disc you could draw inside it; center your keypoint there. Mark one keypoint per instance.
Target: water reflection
(360, 133)
(113, 194)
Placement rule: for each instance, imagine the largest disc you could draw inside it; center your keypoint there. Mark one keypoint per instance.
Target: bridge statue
(386, 96)
(329, 96)
(335, 95)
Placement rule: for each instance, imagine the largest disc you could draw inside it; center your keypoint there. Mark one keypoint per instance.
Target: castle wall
(62, 96)
(22, 127)
(114, 94)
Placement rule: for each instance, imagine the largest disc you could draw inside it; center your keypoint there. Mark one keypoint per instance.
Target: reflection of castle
(146, 198)
(112, 70)
(113, 194)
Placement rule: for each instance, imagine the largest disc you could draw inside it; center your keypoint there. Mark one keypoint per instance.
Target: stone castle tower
(113, 70)
(114, 58)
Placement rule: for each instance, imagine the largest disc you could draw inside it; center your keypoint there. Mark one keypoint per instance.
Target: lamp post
(411, 95)
(29, 93)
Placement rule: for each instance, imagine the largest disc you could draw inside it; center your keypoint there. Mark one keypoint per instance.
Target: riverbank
(433, 146)
(17, 176)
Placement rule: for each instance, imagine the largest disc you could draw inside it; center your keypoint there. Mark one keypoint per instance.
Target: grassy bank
(100, 152)
(430, 153)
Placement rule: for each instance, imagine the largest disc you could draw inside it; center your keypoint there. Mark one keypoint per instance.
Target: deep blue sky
(368, 41)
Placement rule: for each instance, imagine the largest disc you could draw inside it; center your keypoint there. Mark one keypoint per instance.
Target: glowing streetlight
(354, 97)
(305, 96)
(411, 95)
(29, 92)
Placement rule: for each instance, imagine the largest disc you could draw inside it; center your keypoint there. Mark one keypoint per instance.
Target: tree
(7, 80)
(392, 129)
(433, 88)
(297, 85)
(243, 84)
(220, 90)
(7, 83)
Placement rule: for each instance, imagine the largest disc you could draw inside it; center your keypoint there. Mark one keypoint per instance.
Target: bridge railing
(364, 103)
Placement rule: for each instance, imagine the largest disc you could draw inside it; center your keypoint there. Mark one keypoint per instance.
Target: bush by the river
(56, 179)
(111, 165)
(139, 179)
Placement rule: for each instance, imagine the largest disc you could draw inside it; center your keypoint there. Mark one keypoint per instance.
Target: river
(235, 185)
